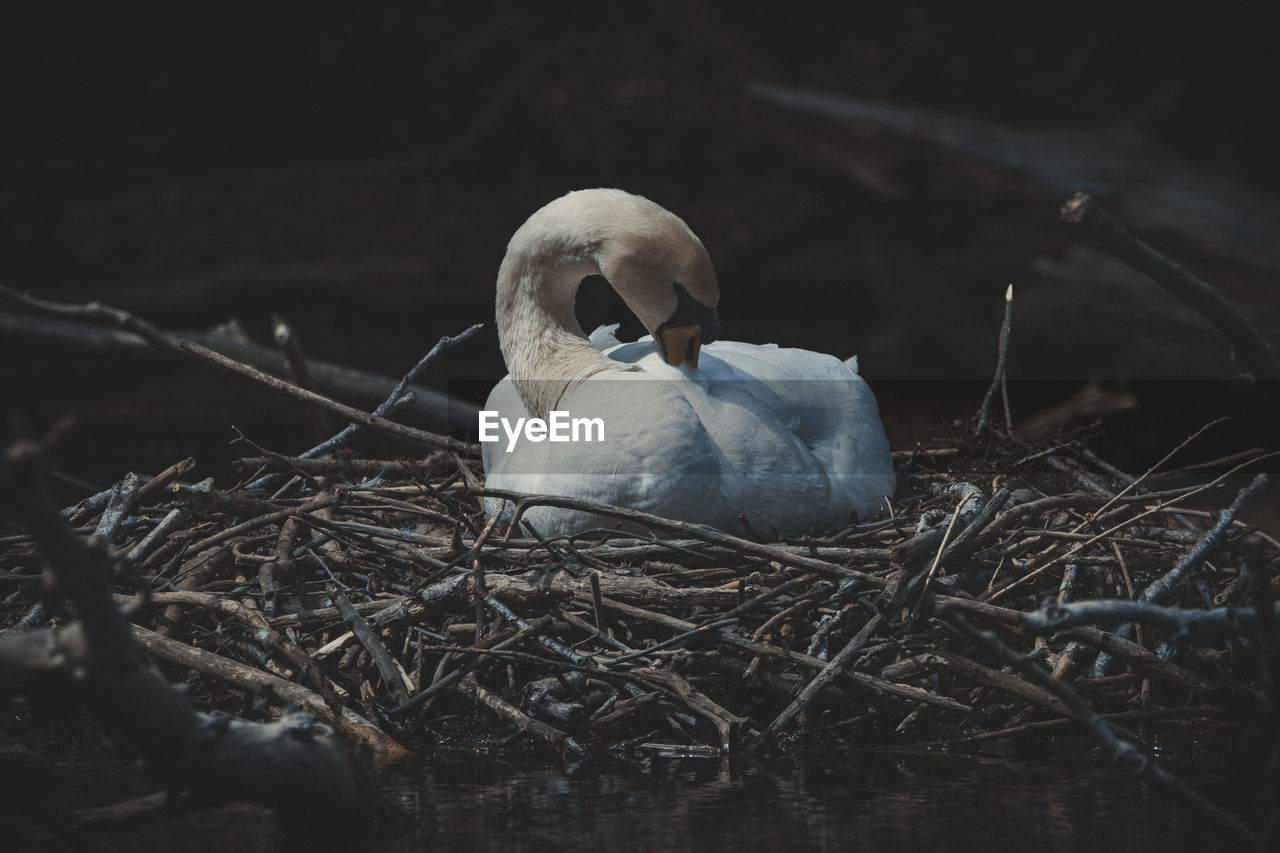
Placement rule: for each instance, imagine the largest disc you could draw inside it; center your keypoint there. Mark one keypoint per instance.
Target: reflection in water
(867, 801)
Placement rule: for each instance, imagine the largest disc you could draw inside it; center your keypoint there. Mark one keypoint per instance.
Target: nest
(999, 594)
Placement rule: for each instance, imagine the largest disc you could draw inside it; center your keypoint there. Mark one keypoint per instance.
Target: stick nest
(378, 596)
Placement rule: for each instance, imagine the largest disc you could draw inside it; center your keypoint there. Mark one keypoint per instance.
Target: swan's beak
(680, 345)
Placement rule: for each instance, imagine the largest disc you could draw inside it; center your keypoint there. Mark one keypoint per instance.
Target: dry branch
(427, 405)
(1255, 354)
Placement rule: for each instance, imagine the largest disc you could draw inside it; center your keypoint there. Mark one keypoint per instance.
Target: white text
(558, 427)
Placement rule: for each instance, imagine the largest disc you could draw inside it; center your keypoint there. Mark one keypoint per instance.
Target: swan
(692, 428)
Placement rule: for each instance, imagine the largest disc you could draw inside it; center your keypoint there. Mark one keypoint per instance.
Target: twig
(145, 545)
(1179, 622)
(1255, 354)
(702, 532)
(700, 630)
(434, 462)
(970, 503)
(245, 677)
(400, 396)
(814, 687)
(937, 561)
(965, 667)
(999, 380)
(528, 630)
(262, 631)
(1133, 484)
(597, 605)
(295, 361)
(352, 414)
(472, 689)
(435, 409)
(870, 683)
(1177, 498)
(392, 675)
(1210, 542)
(118, 504)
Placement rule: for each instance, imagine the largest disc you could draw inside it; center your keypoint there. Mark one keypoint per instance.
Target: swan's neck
(545, 349)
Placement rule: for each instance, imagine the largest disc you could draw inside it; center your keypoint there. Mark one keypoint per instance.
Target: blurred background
(867, 180)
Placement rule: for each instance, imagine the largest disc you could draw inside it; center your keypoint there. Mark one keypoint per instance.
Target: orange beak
(680, 345)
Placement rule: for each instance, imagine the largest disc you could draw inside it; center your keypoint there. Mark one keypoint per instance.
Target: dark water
(867, 801)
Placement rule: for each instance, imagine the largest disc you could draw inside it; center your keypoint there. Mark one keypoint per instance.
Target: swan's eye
(711, 328)
(690, 312)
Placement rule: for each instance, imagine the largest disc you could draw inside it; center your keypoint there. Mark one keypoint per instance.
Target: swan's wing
(640, 352)
(799, 431)
(838, 445)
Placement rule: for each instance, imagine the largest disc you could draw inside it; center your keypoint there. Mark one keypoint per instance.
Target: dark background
(359, 170)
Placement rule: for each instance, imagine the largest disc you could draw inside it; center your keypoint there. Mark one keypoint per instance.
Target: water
(873, 801)
(864, 801)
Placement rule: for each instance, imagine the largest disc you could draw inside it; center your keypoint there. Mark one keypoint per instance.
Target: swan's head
(656, 264)
(662, 271)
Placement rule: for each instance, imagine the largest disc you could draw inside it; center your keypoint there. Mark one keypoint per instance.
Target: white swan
(693, 428)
